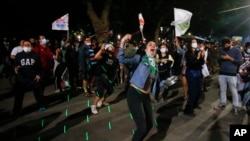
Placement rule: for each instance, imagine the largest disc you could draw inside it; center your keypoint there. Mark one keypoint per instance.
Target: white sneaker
(105, 103)
(244, 108)
(57, 91)
(93, 109)
(236, 111)
(99, 104)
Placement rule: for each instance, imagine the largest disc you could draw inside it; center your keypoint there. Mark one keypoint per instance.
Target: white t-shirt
(16, 50)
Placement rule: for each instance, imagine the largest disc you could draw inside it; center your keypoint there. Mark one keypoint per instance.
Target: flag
(181, 21)
(141, 21)
(61, 23)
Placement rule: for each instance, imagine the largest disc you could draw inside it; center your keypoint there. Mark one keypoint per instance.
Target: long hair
(189, 45)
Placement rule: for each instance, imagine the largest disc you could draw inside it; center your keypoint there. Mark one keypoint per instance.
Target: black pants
(101, 85)
(58, 74)
(73, 75)
(163, 76)
(45, 79)
(19, 91)
(140, 107)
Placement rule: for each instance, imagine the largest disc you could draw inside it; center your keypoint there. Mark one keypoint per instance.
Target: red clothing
(46, 57)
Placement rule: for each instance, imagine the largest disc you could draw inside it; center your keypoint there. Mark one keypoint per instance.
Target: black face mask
(109, 52)
(226, 48)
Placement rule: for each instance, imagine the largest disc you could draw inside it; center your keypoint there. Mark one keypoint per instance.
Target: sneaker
(105, 103)
(41, 109)
(93, 109)
(244, 108)
(235, 111)
(57, 91)
(220, 107)
(99, 104)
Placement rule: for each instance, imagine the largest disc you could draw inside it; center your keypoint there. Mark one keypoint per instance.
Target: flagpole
(68, 28)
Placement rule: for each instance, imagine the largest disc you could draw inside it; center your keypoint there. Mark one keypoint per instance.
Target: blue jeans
(194, 81)
(231, 81)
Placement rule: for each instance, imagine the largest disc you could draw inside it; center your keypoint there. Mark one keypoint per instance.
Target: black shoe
(191, 114)
(15, 116)
(205, 90)
(198, 107)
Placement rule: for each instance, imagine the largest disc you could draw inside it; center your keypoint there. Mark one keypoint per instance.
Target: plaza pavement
(68, 118)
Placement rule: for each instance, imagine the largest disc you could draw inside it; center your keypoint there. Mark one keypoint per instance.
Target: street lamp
(79, 37)
(118, 36)
(161, 29)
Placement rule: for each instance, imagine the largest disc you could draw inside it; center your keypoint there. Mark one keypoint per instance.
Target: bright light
(79, 37)
(118, 36)
(161, 28)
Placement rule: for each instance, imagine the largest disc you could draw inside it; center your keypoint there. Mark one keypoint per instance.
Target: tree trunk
(100, 24)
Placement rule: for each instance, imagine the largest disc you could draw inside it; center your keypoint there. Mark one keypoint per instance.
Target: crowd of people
(142, 67)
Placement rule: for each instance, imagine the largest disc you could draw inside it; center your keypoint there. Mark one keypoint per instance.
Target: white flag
(181, 21)
(61, 23)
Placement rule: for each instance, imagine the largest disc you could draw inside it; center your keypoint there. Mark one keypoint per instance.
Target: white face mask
(194, 45)
(88, 44)
(149, 55)
(202, 48)
(163, 50)
(44, 41)
(248, 51)
(27, 49)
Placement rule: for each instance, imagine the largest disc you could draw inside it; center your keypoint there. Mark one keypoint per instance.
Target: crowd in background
(97, 68)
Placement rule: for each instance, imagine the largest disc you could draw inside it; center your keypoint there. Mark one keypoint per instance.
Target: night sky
(22, 18)
(26, 18)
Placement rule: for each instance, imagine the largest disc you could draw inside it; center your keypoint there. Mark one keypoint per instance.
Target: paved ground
(68, 118)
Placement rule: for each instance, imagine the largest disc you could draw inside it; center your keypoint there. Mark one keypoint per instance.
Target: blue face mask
(248, 50)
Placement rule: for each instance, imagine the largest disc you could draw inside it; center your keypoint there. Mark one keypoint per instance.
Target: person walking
(28, 69)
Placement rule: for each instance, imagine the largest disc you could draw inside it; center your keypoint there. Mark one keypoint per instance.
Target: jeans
(231, 81)
(194, 89)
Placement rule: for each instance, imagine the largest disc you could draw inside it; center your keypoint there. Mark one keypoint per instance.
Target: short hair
(247, 44)
(226, 40)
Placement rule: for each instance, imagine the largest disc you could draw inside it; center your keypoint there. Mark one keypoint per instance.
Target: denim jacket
(142, 71)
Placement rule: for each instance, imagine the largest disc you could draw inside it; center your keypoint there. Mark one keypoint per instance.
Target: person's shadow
(164, 119)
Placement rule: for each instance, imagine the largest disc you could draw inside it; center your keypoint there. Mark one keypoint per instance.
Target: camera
(107, 45)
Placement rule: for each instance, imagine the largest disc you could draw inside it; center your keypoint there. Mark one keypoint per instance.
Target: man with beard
(229, 61)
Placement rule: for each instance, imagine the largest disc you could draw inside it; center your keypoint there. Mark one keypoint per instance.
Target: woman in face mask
(165, 64)
(194, 62)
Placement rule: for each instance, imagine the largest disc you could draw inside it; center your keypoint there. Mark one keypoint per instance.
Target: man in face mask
(230, 59)
(84, 60)
(28, 69)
